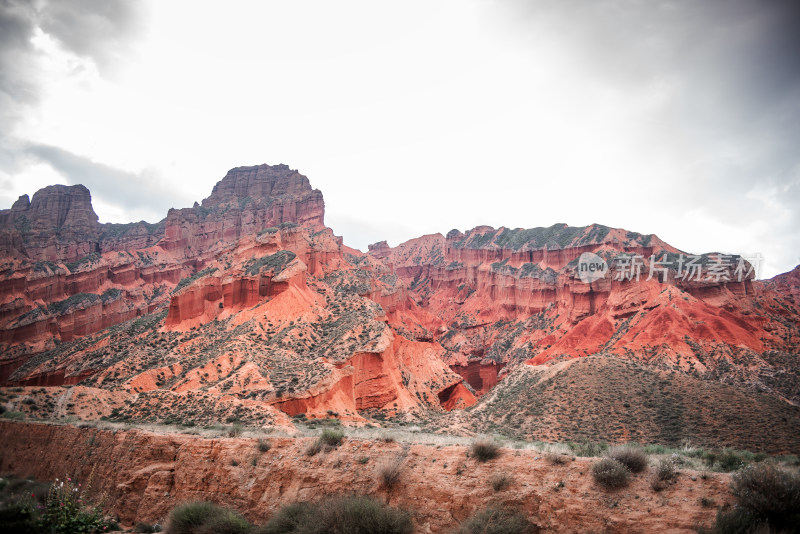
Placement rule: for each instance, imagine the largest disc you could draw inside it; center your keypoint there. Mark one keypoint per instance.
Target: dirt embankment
(146, 474)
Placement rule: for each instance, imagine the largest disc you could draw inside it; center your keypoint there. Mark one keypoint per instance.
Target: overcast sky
(679, 118)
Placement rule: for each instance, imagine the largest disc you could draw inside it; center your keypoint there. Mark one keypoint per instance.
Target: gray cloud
(730, 70)
(16, 30)
(144, 191)
(102, 31)
(98, 30)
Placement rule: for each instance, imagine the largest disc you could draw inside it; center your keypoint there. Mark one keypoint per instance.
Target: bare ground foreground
(145, 474)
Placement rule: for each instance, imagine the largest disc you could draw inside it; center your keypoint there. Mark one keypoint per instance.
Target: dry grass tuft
(634, 458)
(484, 449)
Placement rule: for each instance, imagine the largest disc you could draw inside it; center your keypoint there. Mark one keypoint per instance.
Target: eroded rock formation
(248, 304)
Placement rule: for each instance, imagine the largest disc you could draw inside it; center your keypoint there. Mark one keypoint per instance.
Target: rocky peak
(22, 203)
(260, 184)
(58, 224)
(246, 201)
(379, 250)
(58, 205)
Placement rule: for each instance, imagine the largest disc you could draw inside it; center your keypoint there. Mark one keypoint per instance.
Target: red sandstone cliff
(507, 296)
(57, 258)
(247, 307)
(248, 200)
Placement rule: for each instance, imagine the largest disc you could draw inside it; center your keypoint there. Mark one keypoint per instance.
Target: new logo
(591, 267)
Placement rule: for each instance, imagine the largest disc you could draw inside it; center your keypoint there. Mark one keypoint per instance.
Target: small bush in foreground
(352, 515)
(69, 508)
(389, 472)
(663, 475)
(735, 521)
(771, 494)
(500, 481)
(609, 473)
(187, 518)
(314, 449)
(634, 458)
(556, 458)
(228, 522)
(205, 518)
(493, 520)
(263, 445)
(331, 438)
(484, 449)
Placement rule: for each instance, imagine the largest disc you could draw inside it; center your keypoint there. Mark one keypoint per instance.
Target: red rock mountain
(246, 307)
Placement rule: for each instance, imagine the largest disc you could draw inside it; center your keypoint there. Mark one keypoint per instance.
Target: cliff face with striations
(246, 307)
(246, 201)
(59, 223)
(505, 296)
(299, 325)
(58, 259)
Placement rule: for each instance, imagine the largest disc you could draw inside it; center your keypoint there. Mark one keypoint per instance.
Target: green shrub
(770, 494)
(493, 520)
(609, 473)
(14, 415)
(484, 449)
(634, 458)
(328, 440)
(226, 522)
(19, 500)
(263, 445)
(290, 519)
(332, 438)
(737, 520)
(205, 518)
(731, 460)
(69, 509)
(351, 515)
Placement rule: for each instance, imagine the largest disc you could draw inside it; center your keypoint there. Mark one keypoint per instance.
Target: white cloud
(420, 117)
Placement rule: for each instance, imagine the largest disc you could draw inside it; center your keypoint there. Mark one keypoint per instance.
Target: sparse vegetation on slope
(608, 399)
